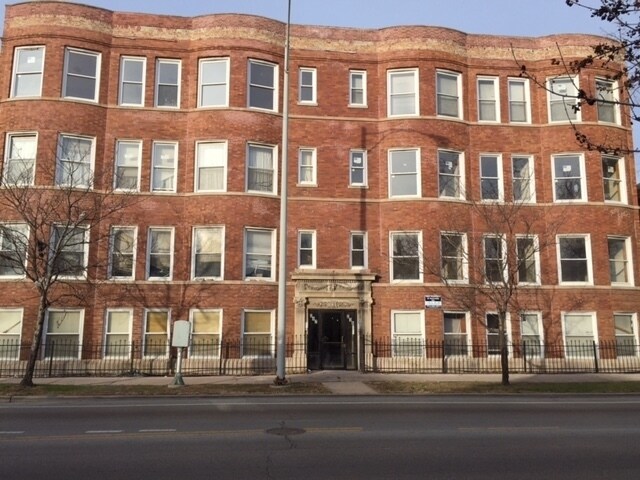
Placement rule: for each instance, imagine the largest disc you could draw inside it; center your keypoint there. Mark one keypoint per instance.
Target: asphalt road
(458, 437)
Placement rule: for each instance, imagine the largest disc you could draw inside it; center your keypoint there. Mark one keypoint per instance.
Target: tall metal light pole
(282, 252)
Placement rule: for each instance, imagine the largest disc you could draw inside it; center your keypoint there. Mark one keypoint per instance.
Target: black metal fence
(257, 357)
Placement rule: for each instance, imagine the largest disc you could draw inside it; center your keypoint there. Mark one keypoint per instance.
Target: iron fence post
(53, 347)
(444, 357)
(524, 356)
(595, 356)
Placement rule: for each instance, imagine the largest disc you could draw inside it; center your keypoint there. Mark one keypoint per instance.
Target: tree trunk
(504, 349)
(27, 379)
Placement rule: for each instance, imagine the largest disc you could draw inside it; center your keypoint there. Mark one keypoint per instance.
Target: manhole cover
(285, 431)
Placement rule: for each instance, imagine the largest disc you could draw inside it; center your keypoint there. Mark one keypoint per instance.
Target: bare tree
(47, 230)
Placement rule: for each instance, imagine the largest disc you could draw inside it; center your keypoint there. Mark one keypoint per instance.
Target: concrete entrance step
(349, 388)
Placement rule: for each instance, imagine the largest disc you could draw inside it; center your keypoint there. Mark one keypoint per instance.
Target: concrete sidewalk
(340, 382)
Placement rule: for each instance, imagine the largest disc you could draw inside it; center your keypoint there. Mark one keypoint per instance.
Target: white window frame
(112, 253)
(587, 245)
(194, 350)
(154, 166)
(274, 168)
(270, 332)
(9, 159)
(495, 331)
(540, 332)
(499, 179)
(462, 257)
(458, 77)
(125, 351)
(535, 257)
(635, 340)
(627, 261)
(58, 251)
(569, 100)
(567, 168)
(303, 248)
(194, 252)
(417, 156)
(9, 344)
(587, 351)
(353, 250)
(146, 333)
(307, 153)
(458, 178)
(353, 156)
(158, 84)
(392, 257)
(202, 84)
(96, 77)
(613, 91)
(271, 254)
(62, 162)
(620, 182)
(273, 88)
(222, 147)
(501, 260)
(416, 338)
(415, 93)
(304, 87)
(530, 181)
(16, 74)
(121, 162)
(19, 229)
(353, 74)
(526, 100)
(124, 82)
(495, 84)
(150, 231)
(467, 344)
(47, 335)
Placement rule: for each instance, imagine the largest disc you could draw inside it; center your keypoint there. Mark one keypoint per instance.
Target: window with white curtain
(448, 94)
(206, 333)
(28, 66)
(531, 333)
(207, 252)
(117, 334)
(156, 333)
(211, 166)
(579, 334)
(63, 333)
(261, 168)
(404, 173)
(259, 253)
(74, 167)
(257, 333)
(488, 99)
(20, 158)
(132, 76)
(625, 325)
(165, 162)
(128, 160)
(307, 166)
(10, 332)
(563, 98)
(407, 332)
(213, 82)
(402, 96)
(519, 105)
(456, 333)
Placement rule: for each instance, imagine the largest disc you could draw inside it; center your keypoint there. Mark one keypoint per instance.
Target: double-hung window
(156, 333)
(620, 260)
(213, 82)
(117, 333)
(168, 83)
(580, 331)
(164, 166)
(132, 81)
(211, 166)
(69, 251)
(574, 259)
(10, 333)
(524, 185)
(449, 94)
(160, 253)
(358, 168)
(257, 333)
(81, 74)
(307, 249)
(206, 333)
(74, 166)
(261, 163)
(122, 253)
(528, 259)
(495, 258)
(488, 99)
(613, 179)
(531, 333)
(492, 323)
(128, 161)
(208, 247)
(407, 333)
(259, 253)
(402, 96)
(569, 181)
(358, 250)
(406, 256)
(404, 173)
(63, 333)
(491, 185)
(263, 86)
(456, 333)
(563, 99)
(626, 333)
(608, 103)
(307, 89)
(519, 104)
(20, 159)
(14, 242)
(450, 174)
(454, 257)
(357, 88)
(28, 67)
(307, 166)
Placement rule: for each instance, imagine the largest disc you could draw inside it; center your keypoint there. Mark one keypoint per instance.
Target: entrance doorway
(331, 340)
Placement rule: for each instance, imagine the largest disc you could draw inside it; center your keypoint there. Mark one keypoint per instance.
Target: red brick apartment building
(400, 138)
